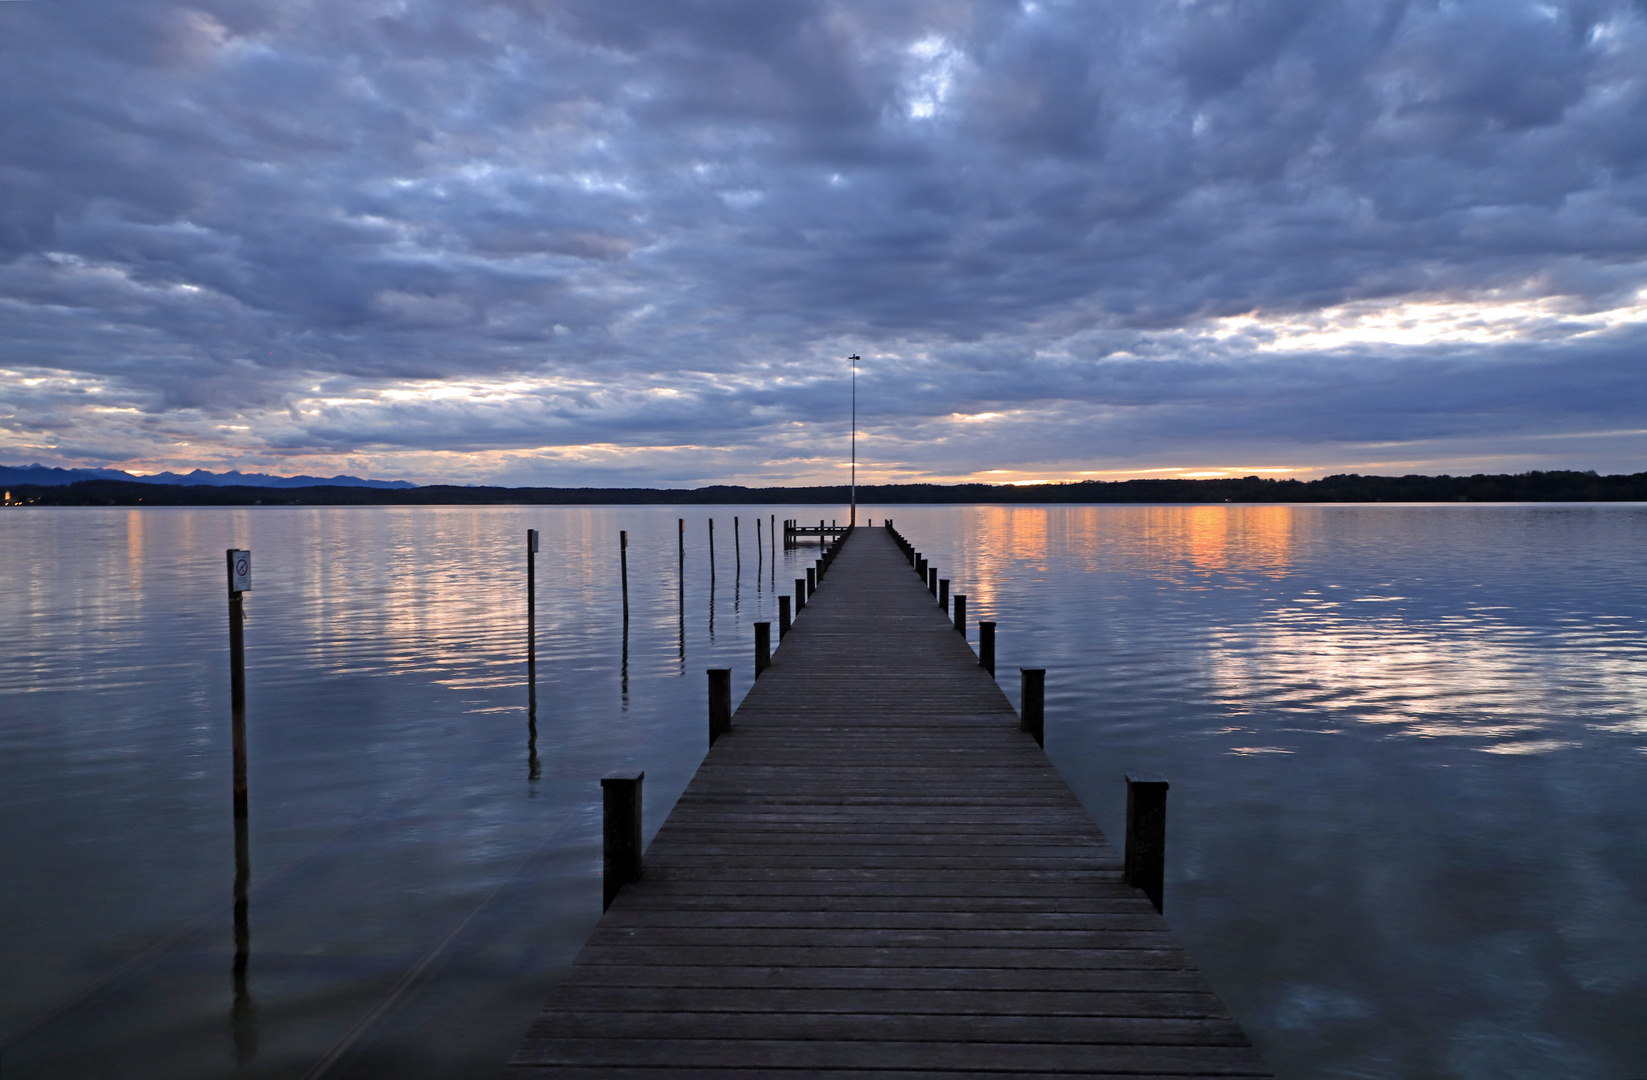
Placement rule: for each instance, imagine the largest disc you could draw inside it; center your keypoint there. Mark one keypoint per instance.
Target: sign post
(239, 564)
(240, 582)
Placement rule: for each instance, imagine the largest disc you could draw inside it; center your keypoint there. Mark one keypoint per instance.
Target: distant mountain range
(46, 476)
(224, 490)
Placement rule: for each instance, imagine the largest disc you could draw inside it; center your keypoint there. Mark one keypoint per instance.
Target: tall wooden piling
(531, 599)
(623, 572)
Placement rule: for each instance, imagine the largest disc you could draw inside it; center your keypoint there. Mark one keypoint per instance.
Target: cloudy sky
(631, 241)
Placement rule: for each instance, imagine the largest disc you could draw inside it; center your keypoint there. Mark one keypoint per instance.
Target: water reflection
(243, 1013)
(1360, 877)
(1406, 743)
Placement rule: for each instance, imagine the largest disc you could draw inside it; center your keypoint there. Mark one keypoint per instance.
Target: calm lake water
(1408, 750)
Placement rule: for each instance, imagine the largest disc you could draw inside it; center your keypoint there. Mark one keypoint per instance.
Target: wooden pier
(875, 873)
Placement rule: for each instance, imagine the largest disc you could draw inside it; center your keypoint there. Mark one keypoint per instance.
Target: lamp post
(853, 521)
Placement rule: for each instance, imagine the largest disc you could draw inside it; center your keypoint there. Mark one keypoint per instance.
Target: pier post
(1146, 853)
(943, 594)
(1032, 712)
(932, 580)
(720, 702)
(621, 833)
(680, 529)
(800, 595)
(783, 617)
(811, 581)
(920, 567)
(986, 647)
(960, 614)
(737, 545)
(763, 647)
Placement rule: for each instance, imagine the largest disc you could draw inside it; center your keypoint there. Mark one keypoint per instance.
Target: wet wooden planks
(875, 874)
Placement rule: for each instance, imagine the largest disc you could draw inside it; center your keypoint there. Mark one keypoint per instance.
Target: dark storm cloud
(252, 232)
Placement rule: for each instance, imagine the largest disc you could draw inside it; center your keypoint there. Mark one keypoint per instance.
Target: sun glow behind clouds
(1426, 322)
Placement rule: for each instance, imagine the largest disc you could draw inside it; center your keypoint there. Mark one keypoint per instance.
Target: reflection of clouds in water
(1307, 1007)
(1463, 675)
(1185, 545)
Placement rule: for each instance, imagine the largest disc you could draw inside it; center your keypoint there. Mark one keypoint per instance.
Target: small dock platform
(794, 532)
(876, 874)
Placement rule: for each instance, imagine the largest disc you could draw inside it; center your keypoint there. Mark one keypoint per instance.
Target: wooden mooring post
(960, 614)
(783, 617)
(623, 572)
(986, 647)
(763, 647)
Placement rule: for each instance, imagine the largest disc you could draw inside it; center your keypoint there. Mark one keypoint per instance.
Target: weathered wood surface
(876, 874)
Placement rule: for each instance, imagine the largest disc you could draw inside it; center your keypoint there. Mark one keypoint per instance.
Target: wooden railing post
(1032, 714)
(811, 581)
(621, 833)
(800, 595)
(783, 617)
(960, 614)
(763, 647)
(720, 702)
(932, 579)
(1146, 854)
(943, 594)
(986, 647)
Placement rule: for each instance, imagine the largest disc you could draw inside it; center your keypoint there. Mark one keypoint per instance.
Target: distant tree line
(1554, 486)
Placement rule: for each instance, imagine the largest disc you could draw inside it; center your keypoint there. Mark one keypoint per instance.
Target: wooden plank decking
(875, 874)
